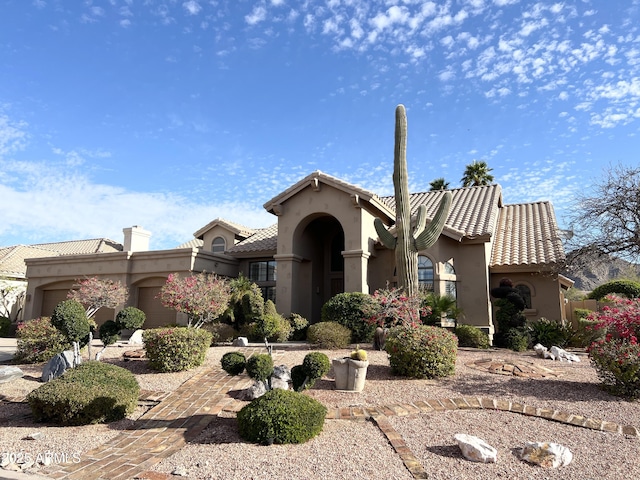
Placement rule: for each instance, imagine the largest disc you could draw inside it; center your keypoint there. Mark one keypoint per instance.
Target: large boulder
(8, 373)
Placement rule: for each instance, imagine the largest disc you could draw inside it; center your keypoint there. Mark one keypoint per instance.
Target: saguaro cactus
(406, 243)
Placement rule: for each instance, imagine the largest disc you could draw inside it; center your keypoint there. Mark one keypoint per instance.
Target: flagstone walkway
(183, 414)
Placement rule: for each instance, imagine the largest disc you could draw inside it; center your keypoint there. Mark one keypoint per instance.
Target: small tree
(70, 318)
(95, 294)
(203, 297)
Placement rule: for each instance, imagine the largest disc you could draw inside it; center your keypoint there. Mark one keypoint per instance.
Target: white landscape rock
(9, 373)
(555, 353)
(241, 342)
(476, 449)
(547, 455)
(136, 338)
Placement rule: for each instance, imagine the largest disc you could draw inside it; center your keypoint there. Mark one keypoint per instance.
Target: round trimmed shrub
(330, 335)
(422, 352)
(298, 376)
(352, 309)
(316, 365)
(130, 318)
(233, 362)
(273, 327)
(220, 332)
(93, 392)
(282, 417)
(176, 349)
(39, 341)
(260, 366)
(109, 332)
(470, 336)
(626, 288)
(71, 319)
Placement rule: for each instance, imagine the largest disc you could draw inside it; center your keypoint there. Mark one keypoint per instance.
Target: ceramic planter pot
(350, 374)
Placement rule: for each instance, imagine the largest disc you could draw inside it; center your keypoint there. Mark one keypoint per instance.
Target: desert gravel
(358, 449)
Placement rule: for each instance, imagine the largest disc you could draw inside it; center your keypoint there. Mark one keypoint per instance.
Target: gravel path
(359, 449)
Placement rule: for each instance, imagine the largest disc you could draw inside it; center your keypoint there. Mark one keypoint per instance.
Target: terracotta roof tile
(236, 228)
(264, 240)
(527, 234)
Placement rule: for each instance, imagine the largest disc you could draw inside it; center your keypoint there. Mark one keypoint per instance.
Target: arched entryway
(320, 243)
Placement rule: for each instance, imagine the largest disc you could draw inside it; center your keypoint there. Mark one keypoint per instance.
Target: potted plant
(351, 371)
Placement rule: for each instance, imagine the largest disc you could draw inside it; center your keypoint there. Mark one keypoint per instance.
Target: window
(218, 245)
(525, 293)
(425, 273)
(450, 284)
(264, 271)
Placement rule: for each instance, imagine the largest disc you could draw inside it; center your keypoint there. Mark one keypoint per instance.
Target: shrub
(315, 365)
(299, 326)
(260, 366)
(470, 336)
(508, 317)
(282, 417)
(70, 318)
(233, 362)
(298, 377)
(438, 306)
(421, 352)
(517, 339)
(5, 327)
(246, 303)
(39, 341)
(330, 335)
(582, 312)
(351, 310)
(176, 349)
(220, 332)
(273, 327)
(587, 333)
(616, 358)
(550, 332)
(109, 332)
(626, 288)
(90, 393)
(130, 318)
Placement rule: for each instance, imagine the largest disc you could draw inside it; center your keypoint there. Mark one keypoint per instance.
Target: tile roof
(236, 228)
(12, 259)
(473, 213)
(527, 234)
(264, 240)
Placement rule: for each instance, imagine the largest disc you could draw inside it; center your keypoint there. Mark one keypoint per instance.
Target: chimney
(136, 239)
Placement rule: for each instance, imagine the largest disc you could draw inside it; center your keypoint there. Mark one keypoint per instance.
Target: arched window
(525, 293)
(425, 273)
(218, 245)
(449, 283)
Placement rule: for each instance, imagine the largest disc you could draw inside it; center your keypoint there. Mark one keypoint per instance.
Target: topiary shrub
(233, 362)
(470, 336)
(422, 352)
(517, 339)
(626, 288)
(130, 318)
(351, 309)
(39, 341)
(330, 335)
(70, 318)
(550, 332)
(93, 392)
(273, 327)
(260, 367)
(315, 365)
(176, 349)
(109, 332)
(282, 417)
(5, 327)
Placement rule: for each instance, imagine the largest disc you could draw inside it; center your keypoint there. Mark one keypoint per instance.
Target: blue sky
(170, 113)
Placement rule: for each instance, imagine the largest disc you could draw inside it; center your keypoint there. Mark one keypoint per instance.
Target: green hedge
(93, 392)
(422, 352)
(176, 349)
(352, 309)
(281, 416)
(470, 336)
(329, 335)
(626, 288)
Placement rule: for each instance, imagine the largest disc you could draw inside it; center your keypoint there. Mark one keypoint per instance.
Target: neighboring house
(13, 268)
(324, 243)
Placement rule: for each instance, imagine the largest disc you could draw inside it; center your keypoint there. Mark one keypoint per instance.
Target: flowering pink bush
(394, 307)
(94, 294)
(617, 356)
(202, 297)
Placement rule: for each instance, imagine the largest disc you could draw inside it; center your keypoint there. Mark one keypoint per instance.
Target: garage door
(50, 299)
(157, 315)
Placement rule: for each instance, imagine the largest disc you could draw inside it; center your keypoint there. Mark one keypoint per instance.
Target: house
(324, 242)
(13, 269)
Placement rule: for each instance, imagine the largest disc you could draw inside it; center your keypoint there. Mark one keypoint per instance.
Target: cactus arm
(387, 239)
(428, 237)
(421, 221)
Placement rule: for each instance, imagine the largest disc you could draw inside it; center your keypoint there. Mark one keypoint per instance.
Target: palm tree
(439, 184)
(476, 174)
